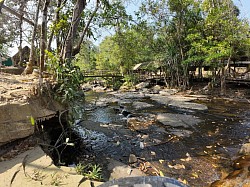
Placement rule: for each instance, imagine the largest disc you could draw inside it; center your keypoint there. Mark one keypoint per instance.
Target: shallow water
(212, 144)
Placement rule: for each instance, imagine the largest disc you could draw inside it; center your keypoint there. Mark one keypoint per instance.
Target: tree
(8, 25)
(224, 31)
(68, 48)
(108, 57)
(43, 39)
(29, 67)
(86, 58)
(23, 4)
(172, 21)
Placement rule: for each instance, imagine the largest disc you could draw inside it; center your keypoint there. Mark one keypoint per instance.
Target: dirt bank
(19, 102)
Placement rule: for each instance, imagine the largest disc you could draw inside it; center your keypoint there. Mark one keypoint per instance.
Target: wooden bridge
(243, 78)
(239, 73)
(102, 73)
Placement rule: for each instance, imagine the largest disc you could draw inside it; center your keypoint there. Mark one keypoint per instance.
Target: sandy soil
(16, 87)
(34, 168)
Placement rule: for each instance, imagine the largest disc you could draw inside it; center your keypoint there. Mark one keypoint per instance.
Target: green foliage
(114, 14)
(86, 58)
(80, 168)
(56, 179)
(91, 172)
(130, 80)
(223, 30)
(32, 121)
(108, 57)
(123, 50)
(191, 32)
(68, 78)
(113, 82)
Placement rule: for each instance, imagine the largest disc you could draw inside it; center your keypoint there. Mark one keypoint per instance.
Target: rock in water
(132, 159)
(245, 149)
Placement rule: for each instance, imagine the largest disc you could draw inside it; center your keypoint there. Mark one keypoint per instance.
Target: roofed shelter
(25, 56)
(150, 69)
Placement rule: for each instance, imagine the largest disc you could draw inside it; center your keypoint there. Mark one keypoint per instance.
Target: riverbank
(20, 102)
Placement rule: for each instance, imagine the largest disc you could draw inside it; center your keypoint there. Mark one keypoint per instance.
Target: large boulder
(15, 117)
(130, 95)
(168, 92)
(177, 120)
(20, 100)
(141, 105)
(179, 102)
(142, 85)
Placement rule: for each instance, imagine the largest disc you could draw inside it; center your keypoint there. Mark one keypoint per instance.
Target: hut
(150, 69)
(25, 56)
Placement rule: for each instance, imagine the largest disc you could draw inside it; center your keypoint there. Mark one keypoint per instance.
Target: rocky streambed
(193, 139)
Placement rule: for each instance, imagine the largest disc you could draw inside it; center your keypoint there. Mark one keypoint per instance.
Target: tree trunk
(223, 76)
(20, 48)
(43, 35)
(56, 19)
(223, 81)
(77, 48)
(29, 67)
(68, 48)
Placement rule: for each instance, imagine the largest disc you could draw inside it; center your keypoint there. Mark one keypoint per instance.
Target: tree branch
(78, 46)
(10, 10)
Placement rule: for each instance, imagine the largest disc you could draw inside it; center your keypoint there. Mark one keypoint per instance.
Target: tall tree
(43, 39)
(20, 47)
(59, 5)
(77, 13)
(29, 67)
(223, 30)
(76, 49)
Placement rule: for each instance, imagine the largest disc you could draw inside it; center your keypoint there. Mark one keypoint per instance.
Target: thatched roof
(147, 65)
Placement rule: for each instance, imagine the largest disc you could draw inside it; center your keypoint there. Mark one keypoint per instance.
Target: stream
(197, 153)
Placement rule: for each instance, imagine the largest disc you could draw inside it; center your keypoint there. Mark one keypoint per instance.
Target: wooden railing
(102, 73)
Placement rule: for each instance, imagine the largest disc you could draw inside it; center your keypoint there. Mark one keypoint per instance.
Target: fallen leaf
(153, 153)
(177, 166)
(184, 181)
(161, 174)
(195, 175)
(186, 159)
(214, 166)
(161, 161)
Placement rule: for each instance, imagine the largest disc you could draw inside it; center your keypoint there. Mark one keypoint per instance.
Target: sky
(243, 5)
